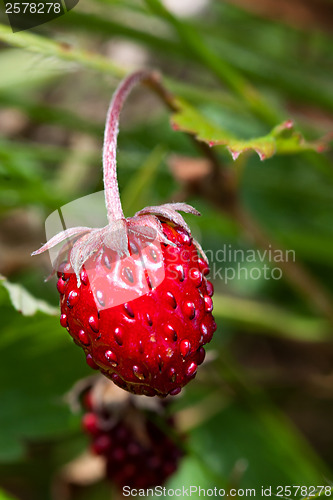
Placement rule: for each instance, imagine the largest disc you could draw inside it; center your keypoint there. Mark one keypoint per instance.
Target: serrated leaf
(283, 139)
(39, 364)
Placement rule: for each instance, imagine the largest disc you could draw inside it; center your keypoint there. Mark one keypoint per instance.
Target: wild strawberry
(134, 294)
(137, 440)
(141, 463)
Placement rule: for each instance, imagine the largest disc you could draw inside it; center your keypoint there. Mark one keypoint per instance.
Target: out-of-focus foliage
(260, 412)
(34, 350)
(282, 139)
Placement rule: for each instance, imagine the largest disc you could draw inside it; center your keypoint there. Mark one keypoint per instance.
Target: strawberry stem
(112, 196)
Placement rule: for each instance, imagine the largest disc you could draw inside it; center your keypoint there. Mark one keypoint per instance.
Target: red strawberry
(137, 464)
(134, 294)
(139, 452)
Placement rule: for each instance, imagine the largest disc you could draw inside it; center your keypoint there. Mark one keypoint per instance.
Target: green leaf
(24, 302)
(40, 364)
(18, 66)
(190, 475)
(265, 452)
(283, 139)
(61, 51)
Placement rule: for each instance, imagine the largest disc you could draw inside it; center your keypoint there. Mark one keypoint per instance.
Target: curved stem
(112, 197)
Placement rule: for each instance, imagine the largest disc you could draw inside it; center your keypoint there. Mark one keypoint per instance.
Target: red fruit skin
(152, 344)
(141, 465)
(90, 424)
(137, 452)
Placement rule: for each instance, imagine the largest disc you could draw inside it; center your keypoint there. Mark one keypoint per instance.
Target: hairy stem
(112, 196)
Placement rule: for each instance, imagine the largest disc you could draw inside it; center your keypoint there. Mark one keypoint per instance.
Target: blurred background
(260, 411)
